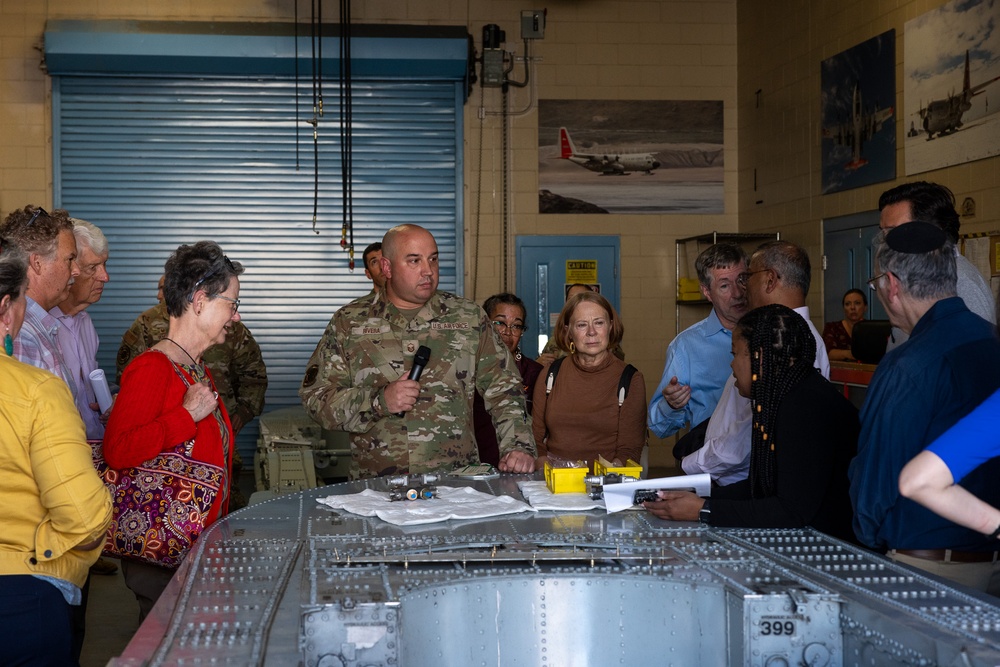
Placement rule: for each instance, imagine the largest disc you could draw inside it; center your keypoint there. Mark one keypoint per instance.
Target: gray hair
(789, 261)
(718, 256)
(13, 269)
(90, 234)
(928, 275)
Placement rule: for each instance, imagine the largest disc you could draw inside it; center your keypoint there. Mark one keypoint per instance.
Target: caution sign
(581, 271)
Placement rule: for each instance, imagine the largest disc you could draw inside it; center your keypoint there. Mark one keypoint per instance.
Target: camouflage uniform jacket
(237, 365)
(369, 344)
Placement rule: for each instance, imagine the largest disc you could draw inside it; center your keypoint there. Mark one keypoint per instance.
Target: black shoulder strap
(553, 372)
(624, 382)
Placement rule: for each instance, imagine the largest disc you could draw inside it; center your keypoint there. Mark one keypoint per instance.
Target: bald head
(410, 265)
(392, 240)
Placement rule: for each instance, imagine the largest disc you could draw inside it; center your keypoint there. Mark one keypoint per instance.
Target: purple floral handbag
(159, 507)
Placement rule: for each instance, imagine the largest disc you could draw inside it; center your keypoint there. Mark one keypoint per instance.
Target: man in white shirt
(934, 203)
(779, 272)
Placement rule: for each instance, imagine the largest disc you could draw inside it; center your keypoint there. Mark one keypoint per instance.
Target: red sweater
(149, 417)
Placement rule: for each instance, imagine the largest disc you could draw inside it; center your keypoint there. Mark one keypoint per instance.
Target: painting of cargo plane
(858, 115)
(951, 89)
(630, 156)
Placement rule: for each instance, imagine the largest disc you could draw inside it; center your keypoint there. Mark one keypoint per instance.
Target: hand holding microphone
(402, 394)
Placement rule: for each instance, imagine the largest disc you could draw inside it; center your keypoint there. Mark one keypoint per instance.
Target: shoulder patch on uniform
(124, 356)
(311, 373)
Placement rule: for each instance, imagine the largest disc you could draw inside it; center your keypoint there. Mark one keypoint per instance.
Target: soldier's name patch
(449, 325)
(371, 330)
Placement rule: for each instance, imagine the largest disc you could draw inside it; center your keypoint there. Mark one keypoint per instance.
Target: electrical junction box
(533, 24)
(492, 75)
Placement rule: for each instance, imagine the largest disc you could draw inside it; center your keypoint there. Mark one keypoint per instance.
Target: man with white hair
(76, 335)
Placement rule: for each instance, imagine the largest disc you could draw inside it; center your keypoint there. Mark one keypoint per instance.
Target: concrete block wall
(781, 46)
(602, 49)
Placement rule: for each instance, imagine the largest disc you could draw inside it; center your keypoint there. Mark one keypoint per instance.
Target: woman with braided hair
(804, 436)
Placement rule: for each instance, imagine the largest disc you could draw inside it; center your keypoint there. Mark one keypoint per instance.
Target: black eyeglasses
(503, 327)
(744, 277)
(873, 281)
(210, 274)
(34, 216)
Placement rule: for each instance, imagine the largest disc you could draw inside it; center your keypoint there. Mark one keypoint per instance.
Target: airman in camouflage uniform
(357, 378)
(237, 369)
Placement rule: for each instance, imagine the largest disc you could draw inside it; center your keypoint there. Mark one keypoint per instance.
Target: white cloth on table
(541, 498)
(452, 503)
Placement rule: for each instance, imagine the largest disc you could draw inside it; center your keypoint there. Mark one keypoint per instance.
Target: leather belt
(949, 556)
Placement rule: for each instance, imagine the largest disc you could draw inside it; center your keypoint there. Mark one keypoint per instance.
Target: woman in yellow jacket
(55, 507)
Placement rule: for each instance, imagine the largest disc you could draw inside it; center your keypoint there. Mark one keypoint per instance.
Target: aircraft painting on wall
(858, 115)
(944, 116)
(631, 157)
(951, 61)
(606, 162)
(857, 129)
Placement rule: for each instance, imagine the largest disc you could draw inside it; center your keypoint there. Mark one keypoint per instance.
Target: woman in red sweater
(168, 397)
(579, 416)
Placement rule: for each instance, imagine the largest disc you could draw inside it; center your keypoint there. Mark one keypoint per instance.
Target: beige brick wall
(603, 49)
(781, 138)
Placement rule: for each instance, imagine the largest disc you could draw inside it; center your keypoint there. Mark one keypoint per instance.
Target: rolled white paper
(100, 385)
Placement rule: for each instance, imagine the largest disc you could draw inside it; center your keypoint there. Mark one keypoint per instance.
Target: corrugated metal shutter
(156, 162)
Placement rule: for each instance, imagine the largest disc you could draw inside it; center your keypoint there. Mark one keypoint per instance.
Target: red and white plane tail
(566, 147)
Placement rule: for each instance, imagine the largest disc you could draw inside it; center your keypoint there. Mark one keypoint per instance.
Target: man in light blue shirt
(698, 358)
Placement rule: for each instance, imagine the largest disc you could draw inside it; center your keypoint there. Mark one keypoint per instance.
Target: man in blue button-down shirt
(698, 358)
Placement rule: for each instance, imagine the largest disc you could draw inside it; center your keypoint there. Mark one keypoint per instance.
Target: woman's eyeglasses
(503, 327)
(235, 302)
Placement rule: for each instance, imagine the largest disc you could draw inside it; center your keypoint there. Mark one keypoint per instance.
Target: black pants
(35, 623)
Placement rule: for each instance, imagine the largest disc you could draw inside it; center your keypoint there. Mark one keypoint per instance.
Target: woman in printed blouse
(837, 335)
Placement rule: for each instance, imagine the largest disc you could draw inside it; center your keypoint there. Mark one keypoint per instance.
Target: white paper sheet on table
(452, 503)
(618, 497)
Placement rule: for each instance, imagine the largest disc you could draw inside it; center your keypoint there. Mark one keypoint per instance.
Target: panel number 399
(777, 628)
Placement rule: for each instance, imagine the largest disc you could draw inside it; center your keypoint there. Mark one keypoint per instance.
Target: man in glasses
(77, 337)
(934, 203)
(237, 368)
(949, 365)
(779, 272)
(357, 379)
(698, 359)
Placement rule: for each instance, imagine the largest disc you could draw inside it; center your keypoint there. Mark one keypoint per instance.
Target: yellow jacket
(52, 498)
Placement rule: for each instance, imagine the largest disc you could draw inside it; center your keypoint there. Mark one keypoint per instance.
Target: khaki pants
(980, 576)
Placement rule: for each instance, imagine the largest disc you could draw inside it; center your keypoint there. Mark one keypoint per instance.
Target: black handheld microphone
(420, 360)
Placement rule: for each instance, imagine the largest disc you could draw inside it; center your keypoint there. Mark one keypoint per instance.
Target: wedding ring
(215, 394)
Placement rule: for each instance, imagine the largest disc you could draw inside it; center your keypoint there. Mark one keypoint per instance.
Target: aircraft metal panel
(290, 581)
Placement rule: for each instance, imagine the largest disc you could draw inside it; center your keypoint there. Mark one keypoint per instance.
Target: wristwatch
(705, 515)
